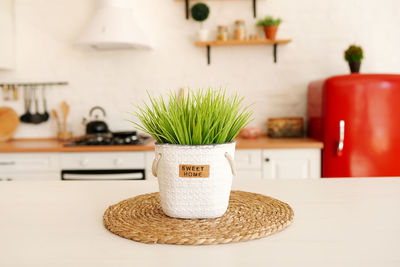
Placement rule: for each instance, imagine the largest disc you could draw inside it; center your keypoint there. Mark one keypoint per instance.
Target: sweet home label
(194, 171)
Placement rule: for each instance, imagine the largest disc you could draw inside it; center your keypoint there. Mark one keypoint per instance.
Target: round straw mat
(249, 216)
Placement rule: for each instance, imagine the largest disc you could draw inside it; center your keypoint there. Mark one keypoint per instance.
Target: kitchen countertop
(338, 222)
(53, 145)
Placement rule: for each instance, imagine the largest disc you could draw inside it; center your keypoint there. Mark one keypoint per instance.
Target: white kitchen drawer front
(30, 176)
(248, 174)
(292, 163)
(248, 158)
(102, 160)
(29, 162)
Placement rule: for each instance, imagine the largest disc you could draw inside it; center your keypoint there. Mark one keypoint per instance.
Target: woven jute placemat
(249, 216)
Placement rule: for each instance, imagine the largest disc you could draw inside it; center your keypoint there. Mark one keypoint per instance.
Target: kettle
(96, 126)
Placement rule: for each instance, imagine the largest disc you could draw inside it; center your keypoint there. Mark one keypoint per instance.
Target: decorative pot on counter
(194, 180)
(195, 148)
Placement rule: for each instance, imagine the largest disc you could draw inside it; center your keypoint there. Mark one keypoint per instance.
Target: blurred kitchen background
(44, 49)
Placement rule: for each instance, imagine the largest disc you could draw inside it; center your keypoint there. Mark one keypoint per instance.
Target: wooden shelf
(275, 43)
(187, 6)
(242, 42)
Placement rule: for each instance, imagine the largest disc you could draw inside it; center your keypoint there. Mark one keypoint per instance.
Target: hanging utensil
(65, 111)
(15, 93)
(55, 114)
(36, 117)
(45, 115)
(5, 92)
(27, 116)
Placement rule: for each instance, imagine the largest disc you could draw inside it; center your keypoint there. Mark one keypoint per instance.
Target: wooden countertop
(266, 142)
(53, 145)
(337, 222)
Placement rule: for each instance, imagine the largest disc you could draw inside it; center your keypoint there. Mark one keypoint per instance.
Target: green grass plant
(354, 54)
(269, 21)
(194, 118)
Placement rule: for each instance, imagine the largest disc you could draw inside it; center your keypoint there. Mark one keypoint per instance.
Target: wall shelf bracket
(208, 55)
(187, 8)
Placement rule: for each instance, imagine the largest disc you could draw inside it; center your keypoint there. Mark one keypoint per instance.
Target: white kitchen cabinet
(269, 163)
(7, 33)
(292, 163)
(248, 163)
(29, 166)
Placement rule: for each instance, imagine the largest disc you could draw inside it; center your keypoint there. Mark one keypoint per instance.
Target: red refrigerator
(357, 117)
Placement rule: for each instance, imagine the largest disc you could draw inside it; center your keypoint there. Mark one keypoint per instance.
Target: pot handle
(156, 160)
(154, 167)
(231, 163)
(99, 108)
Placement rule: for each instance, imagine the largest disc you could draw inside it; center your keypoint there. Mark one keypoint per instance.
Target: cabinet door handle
(266, 159)
(9, 179)
(7, 163)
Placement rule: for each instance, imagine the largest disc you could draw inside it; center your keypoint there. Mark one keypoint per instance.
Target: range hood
(113, 27)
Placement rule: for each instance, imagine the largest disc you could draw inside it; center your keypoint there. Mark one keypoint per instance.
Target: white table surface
(338, 222)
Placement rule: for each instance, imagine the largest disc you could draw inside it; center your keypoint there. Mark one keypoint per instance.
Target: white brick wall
(321, 30)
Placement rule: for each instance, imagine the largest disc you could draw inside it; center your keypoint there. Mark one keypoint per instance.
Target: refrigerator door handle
(341, 138)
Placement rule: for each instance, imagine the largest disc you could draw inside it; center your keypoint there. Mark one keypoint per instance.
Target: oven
(103, 166)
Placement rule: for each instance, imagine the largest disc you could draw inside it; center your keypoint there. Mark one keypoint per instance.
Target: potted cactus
(354, 55)
(200, 13)
(270, 26)
(195, 149)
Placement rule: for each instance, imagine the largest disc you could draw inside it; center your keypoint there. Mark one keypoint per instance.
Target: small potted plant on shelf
(354, 55)
(270, 26)
(200, 12)
(195, 149)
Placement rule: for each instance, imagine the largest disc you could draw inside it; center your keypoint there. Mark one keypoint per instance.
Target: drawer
(30, 176)
(29, 162)
(103, 160)
(248, 158)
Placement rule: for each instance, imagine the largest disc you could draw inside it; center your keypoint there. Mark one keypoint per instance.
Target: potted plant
(353, 55)
(270, 26)
(195, 149)
(200, 13)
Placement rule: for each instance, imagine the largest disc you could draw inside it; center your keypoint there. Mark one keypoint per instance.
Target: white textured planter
(202, 35)
(187, 189)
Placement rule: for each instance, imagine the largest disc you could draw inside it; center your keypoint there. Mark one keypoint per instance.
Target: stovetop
(111, 139)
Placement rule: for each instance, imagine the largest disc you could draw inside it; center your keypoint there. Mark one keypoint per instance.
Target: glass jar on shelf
(222, 34)
(239, 32)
